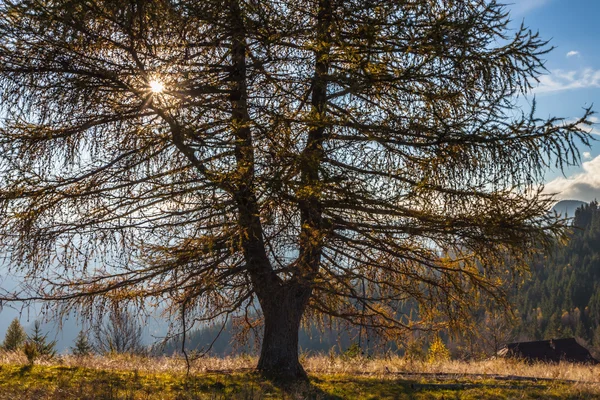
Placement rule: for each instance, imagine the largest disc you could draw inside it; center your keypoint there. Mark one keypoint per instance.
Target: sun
(156, 86)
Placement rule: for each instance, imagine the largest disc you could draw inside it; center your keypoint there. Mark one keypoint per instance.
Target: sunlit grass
(126, 377)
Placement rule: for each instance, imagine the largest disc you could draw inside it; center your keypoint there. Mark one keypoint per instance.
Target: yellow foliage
(438, 352)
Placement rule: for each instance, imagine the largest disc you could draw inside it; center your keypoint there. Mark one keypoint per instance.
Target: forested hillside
(562, 298)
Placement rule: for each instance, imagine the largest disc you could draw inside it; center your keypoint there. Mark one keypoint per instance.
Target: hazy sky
(572, 81)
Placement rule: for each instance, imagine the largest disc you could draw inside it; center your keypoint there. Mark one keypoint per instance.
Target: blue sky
(572, 81)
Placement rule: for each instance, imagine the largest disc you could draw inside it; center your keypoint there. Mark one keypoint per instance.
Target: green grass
(61, 382)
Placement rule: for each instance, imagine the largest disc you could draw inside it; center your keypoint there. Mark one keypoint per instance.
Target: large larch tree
(313, 157)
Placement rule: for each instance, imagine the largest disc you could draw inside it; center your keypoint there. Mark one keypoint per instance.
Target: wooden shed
(553, 350)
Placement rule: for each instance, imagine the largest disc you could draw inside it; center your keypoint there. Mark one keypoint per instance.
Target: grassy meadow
(133, 378)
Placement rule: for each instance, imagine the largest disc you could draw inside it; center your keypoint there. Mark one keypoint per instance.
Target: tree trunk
(279, 351)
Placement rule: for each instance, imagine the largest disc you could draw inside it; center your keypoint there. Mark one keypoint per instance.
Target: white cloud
(572, 53)
(587, 155)
(559, 80)
(584, 186)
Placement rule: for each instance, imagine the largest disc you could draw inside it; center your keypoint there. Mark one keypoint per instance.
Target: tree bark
(282, 316)
(282, 304)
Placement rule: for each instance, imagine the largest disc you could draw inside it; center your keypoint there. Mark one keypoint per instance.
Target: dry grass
(503, 367)
(325, 365)
(151, 365)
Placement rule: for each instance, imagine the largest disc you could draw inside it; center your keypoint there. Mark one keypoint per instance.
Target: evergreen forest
(561, 298)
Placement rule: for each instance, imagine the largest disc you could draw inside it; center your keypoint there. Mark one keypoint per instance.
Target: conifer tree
(210, 157)
(82, 346)
(15, 336)
(39, 341)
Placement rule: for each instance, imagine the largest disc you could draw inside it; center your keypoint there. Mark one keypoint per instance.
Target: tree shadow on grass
(344, 387)
(25, 369)
(248, 386)
(305, 389)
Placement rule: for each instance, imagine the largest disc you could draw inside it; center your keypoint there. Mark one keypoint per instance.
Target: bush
(122, 334)
(354, 351)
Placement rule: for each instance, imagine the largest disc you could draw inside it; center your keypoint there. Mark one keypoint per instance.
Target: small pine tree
(41, 347)
(438, 352)
(15, 336)
(82, 346)
(413, 350)
(31, 351)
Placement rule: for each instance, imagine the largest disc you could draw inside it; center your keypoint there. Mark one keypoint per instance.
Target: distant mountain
(567, 208)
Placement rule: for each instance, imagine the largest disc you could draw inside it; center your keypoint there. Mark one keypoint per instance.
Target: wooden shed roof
(553, 350)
